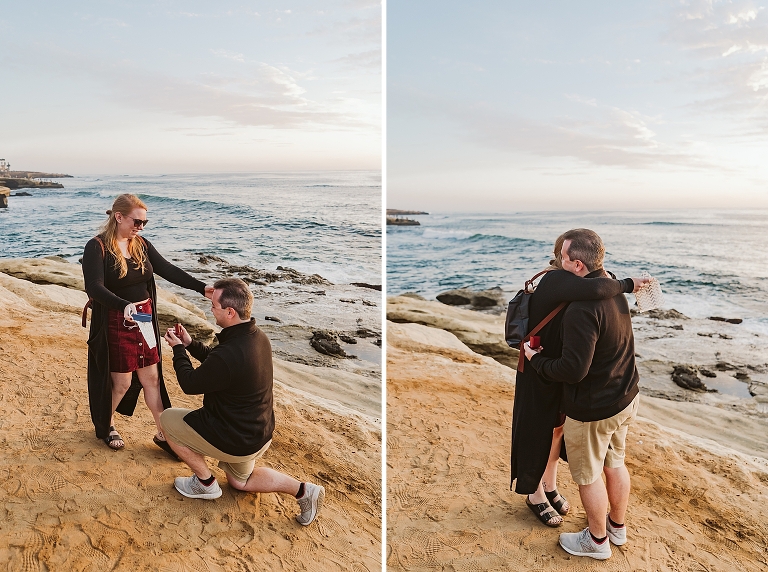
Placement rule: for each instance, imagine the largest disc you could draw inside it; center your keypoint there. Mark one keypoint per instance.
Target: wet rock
(347, 339)
(378, 342)
(729, 320)
(659, 314)
(724, 366)
(326, 343)
(457, 297)
(365, 333)
(318, 292)
(347, 300)
(273, 319)
(741, 376)
(707, 373)
(365, 285)
(367, 303)
(687, 377)
(208, 258)
(676, 327)
(488, 298)
(21, 194)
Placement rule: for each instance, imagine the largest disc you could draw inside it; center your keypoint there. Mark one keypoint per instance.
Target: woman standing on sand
(537, 426)
(119, 267)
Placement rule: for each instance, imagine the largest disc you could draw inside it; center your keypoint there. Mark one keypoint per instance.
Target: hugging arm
(562, 286)
(580, 333)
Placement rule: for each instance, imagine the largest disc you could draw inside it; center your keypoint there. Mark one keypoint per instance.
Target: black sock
(301, 491)
(596, 539)
(207, 482)
(613, 524)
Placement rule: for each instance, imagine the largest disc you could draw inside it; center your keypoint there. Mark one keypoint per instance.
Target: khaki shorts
(596, 444)
(177, 430)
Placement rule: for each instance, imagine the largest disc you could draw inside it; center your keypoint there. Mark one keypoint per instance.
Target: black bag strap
(534, 331)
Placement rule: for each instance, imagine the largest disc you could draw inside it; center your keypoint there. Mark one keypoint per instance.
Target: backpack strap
(534, 331)
(529, 283)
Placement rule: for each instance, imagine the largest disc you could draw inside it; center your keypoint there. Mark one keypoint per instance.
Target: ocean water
(328, 223)
(707, 262)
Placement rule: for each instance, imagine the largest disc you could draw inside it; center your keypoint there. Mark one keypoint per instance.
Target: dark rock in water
(413, 295)
(707, 373)
(724, 366)
(326, 343)
(488, 298)
(741, 376)
(208, 258)
(729, 320)
(687, 377)
(273, 319)
(347, 339)
(367, 303)
(378, 342)
(458, 297)
(659, 314)
(365, 285)
(22, 194)
(365, 333)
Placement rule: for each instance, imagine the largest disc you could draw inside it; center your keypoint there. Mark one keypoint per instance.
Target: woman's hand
(639, 283)
(128, 311)
(529, 351)
(209, 292)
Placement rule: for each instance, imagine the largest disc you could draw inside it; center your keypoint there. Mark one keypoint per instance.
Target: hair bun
(109, 212)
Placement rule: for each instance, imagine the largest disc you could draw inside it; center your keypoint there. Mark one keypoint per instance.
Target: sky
(141, 86)
(507, 106)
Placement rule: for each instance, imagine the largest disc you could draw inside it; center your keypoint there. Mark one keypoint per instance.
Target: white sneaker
(618, 536)
(581, 544)
(310, 504)
(192, 487)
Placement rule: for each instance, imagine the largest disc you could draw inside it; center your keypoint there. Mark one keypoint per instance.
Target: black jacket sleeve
(580, 333)
(562, 286)
(93, 275)
(212, 375)
(198, 350)
(171, 272)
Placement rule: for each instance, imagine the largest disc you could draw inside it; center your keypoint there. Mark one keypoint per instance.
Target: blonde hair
(557, 262)
(123, 204)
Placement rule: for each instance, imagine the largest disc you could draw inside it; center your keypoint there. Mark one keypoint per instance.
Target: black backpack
(516, 325)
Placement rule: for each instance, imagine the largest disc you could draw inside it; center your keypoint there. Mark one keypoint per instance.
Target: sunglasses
(137, 223)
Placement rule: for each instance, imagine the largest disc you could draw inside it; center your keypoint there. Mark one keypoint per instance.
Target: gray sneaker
(618, 536)
(311, 503)
(581, 544)
(192, 487)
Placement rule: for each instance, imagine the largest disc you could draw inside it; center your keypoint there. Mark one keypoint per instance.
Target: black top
(236, 380)
(597, 364)
(114, 292)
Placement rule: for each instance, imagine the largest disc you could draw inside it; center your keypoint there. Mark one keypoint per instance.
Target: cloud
(368, 60)
(266, 96)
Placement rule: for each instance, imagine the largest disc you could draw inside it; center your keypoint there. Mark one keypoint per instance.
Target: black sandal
(544, 512)
(113, 436)
(165, 447)
(557, 504)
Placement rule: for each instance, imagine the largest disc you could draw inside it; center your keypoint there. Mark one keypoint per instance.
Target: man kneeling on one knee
(236, 421)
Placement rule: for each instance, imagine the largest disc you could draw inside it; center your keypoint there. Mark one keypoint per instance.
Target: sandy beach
(70, 503)
(698, 460)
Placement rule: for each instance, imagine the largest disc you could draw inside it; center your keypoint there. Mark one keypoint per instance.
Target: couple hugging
(579, 389)
(236, 421)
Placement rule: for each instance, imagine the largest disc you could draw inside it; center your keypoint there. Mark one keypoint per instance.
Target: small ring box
(535, 342)
(139, 317)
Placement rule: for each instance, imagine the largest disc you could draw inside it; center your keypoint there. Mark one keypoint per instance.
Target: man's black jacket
(597, 366)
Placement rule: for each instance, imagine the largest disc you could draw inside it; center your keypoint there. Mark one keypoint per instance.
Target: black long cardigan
(99, 378)
(537, 402)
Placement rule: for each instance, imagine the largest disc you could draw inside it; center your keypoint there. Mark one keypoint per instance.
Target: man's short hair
(586, 246)
(235, 294)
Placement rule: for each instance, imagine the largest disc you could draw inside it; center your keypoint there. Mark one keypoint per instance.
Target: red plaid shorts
(128, 350)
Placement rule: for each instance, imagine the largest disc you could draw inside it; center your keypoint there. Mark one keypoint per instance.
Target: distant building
(5, 168)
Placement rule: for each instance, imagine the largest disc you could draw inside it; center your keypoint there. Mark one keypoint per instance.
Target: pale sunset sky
(170, 86)
(556, 105)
